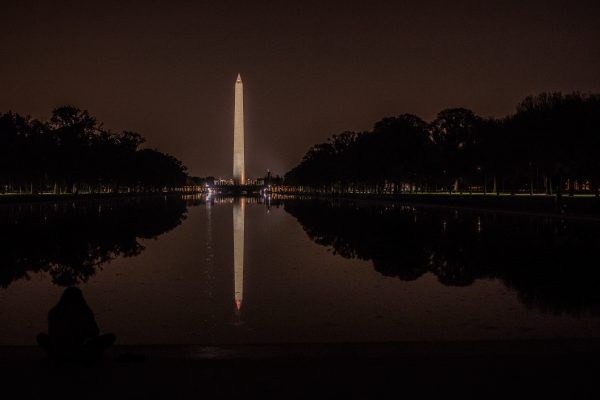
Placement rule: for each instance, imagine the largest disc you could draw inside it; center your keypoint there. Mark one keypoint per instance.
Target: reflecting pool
(174, 270)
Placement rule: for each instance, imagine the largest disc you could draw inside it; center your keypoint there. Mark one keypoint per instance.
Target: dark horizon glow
(310, 70)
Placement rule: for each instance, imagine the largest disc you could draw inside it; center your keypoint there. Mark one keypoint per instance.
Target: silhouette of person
(72, 329)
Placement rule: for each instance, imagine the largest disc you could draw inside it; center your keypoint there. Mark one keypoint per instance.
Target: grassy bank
(584, 206)
(14, 198)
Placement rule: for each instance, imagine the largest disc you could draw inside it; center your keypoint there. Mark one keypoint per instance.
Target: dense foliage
(549, 144)
(72, 151)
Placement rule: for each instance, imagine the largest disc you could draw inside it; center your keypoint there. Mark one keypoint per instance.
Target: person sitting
(72, 330)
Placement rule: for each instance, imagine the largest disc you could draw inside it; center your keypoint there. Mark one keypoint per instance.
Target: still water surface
(168, 270)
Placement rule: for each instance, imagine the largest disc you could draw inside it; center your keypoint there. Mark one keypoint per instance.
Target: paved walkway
(502, 369)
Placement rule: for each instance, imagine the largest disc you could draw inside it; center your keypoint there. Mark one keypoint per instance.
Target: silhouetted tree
(72, 151)
(548, 145)
(454, 131)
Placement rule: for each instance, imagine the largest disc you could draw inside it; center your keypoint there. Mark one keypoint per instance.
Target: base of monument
(239, 190)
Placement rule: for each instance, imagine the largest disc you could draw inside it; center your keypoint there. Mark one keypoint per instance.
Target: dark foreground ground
(522, 369)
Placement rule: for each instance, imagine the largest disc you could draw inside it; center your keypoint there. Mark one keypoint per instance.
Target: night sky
(166, 69)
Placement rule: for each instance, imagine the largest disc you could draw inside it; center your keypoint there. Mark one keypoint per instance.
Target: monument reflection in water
(163, 270)
(239, 211)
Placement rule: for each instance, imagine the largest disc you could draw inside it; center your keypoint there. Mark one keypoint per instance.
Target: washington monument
(239, 173)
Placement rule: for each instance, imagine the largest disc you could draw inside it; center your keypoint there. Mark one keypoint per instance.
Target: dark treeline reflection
(71, 241)
(552, 264)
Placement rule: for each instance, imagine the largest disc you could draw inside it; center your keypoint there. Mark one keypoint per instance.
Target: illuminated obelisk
(238, 251)
(239, 174)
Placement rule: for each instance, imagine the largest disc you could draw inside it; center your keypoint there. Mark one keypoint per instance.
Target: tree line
(73, 152)
(549, 145)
